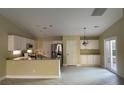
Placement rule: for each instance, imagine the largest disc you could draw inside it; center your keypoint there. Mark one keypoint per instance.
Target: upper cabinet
(92, 44)
(19, 43)
(31, 42)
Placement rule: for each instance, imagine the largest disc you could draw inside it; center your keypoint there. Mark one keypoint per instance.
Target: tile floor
(73, 76)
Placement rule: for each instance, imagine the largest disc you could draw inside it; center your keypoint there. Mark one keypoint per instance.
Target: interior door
(71, 52)
(111, 54)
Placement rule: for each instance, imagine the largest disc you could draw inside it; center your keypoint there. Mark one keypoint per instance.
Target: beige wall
(65, 38)
(117, 30)
(7, 27)
(3, 52)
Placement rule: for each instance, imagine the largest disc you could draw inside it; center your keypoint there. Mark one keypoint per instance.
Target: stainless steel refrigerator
(57, 52)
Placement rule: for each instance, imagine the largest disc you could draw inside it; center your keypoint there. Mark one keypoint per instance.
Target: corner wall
(7, 27)
(116, 30)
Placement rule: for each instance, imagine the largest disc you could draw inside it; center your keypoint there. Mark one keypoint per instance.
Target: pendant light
(85, 42)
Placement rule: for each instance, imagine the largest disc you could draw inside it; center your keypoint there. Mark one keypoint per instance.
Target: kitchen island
(46, 68)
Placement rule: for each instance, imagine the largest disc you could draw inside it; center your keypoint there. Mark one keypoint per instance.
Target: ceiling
(42, 22)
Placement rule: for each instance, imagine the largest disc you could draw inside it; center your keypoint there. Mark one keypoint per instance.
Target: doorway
(111, 54)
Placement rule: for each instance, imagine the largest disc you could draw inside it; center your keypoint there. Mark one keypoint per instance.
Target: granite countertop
(17, 59)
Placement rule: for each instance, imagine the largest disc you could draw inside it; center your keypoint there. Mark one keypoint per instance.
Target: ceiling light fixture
(85, 42)
(44, 27)
(96, 26)
(50, 25)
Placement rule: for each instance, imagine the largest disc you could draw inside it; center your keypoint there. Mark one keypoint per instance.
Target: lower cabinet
(90, 60)
(33, 68)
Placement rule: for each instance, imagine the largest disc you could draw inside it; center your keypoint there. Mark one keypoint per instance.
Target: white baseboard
(2, 78)
(83, 65)
(71, 65)
(32, 77)
(65, 65)
(78, 65)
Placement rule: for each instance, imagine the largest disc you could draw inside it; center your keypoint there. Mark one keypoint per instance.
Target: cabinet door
(14, 43)
(97, 59)
(83, 59)
(33, 43)
(90, 60)
(94, 44)
(23, 43)
(28, 41)
(10, 43)
(17, 43)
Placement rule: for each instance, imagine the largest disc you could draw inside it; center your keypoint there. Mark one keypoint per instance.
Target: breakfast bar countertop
(23, 58)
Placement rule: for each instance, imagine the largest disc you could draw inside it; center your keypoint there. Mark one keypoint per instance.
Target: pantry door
(71, 52)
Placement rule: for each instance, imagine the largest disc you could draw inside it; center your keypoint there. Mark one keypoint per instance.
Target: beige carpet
(73, 76)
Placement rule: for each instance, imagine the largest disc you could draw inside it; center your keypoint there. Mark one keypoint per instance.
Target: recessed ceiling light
(44, 27)
(96, 26)
(50, 25)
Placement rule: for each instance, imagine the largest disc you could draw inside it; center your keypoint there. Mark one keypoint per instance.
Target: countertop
(36, 59)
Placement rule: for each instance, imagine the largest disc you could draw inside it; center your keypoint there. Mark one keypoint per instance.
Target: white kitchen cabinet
(92, 44)
(90, 60)
(56, 41)
(18, 43)
(22, 43)
(28, 41)
(14, 43)
(32, 42)
(96, 59)
(83, 59)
